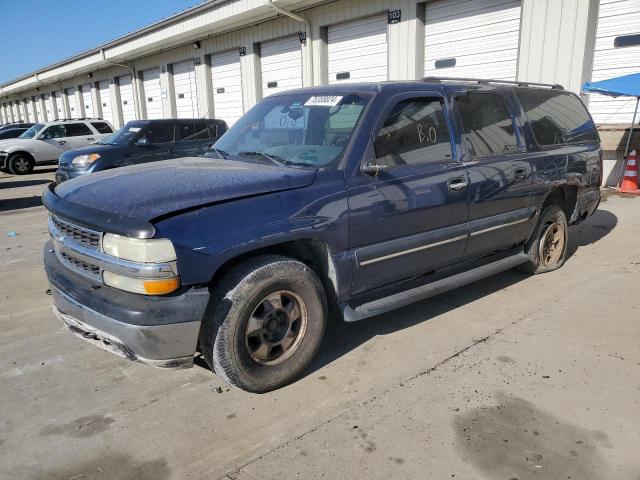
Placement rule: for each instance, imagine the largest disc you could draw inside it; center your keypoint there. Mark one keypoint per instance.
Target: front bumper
(160, 331)
(64, 174)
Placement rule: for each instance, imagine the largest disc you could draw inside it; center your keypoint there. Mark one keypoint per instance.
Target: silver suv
(44, 142)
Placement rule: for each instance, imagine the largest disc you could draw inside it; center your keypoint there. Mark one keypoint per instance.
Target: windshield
(303, 130)
(125, 135)
(32, 131)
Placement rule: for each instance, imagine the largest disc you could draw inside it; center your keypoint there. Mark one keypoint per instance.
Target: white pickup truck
(44, 142)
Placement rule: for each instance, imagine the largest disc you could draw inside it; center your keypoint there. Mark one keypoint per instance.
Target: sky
(37, 33)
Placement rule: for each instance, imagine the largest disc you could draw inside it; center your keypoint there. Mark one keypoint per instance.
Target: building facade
(219, 58)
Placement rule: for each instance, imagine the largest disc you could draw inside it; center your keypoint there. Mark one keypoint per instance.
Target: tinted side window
(55, 131)
(414, 133)
(102, 127)
(77, 130)
(557, 118)
(159, 133)
(186, 131)
(487, 124)
(201, 131)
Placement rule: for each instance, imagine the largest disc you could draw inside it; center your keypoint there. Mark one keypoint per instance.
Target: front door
(499, 168)
(52, 142)
(411, 217)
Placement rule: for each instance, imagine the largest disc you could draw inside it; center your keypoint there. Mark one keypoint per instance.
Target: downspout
(134, 82)
(307, 26)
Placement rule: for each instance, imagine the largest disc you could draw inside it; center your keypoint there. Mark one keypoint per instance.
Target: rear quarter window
(557, 118)
(102, 127)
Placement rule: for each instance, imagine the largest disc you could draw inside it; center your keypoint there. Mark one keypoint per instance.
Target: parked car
(43, 143)
(354, 198)
(16, 125)
(141, 141)
(11, 133)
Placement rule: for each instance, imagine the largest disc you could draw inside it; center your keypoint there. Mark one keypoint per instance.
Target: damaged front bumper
(159, 331)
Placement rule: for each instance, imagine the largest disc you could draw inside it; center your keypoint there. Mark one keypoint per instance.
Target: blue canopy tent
(625, 86)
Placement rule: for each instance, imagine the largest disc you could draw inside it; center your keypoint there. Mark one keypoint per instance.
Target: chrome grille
(80, 265)
(78, 234)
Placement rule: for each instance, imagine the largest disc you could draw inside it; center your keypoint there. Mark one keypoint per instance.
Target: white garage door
(152, 93)
(38, 107)
(60, 112)
(126, 98)
(17, 108)
(48, 105)
(226, 81)
(616, 20)
(105, 101)
(472, 38)
(87, 100)
(30, 114)
(281, 65)
(3, 115)
(358, 51)
(73, 103)
(184, 84)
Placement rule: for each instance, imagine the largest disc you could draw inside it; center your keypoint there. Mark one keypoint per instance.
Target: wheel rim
(21, 165)
(552, 244)
(276, 327)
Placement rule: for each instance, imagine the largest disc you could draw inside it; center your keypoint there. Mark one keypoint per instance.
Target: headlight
(155, 250)
(84, 160)
(141, 285)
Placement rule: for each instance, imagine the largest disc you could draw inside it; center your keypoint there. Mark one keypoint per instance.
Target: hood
(69, 155)
(17, 142)
(152, 190)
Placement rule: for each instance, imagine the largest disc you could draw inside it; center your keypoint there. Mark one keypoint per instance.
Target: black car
(8, 126)
(12, 132)
(142, 141)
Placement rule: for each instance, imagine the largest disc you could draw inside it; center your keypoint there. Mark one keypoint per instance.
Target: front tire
(547, 248)
(267, 322)
(20, 165)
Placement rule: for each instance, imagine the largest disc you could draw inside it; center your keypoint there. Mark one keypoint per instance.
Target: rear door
(410, 218)
(499, 169)
(186, 145)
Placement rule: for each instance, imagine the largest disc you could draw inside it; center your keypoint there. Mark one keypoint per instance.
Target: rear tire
(20, 164)
(547, 247)
(268, 319)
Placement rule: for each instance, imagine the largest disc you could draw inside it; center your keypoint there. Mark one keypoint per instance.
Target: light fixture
(196, 45)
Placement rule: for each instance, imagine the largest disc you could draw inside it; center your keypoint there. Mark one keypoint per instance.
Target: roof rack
(75, 119)
(482, 81)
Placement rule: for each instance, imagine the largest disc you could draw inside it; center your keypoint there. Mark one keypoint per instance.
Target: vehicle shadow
(594, 228)
(23, 183)
(11, 204)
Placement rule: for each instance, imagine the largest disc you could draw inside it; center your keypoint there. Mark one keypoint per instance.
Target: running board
(401, 299)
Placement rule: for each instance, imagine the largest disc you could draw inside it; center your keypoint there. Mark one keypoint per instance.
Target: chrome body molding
(72, 254)
(498, 227)
(412, 250)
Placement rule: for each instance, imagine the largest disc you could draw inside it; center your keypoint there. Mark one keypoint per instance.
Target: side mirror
(370, 166)
(142, 142)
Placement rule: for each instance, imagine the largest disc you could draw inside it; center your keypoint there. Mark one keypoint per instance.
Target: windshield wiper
(279, 161)
(221, 153)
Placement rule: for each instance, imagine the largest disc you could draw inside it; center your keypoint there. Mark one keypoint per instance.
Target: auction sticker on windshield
(323, 101)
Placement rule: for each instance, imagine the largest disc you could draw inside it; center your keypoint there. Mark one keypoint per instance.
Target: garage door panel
(281, 65)
(615, 18)
(87, 99)
(152, 93)
(73, 103)
(359, 48)
(126, 98)
(185, 88)
(481, 35)
(105, 101)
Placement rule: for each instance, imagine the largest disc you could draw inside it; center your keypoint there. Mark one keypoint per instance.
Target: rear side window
(204, 131)
(102, 127)
(557, 118)
(77, 130)
(486, 123)
(186, 131)
(414, 133)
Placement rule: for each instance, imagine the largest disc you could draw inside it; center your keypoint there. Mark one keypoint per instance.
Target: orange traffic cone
(630, 180)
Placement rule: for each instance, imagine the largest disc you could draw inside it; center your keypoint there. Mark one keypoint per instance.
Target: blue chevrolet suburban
(349, 200)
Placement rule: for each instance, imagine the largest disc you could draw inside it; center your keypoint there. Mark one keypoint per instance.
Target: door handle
(457, 184)
(90, 139)
(62, 142)
(521, 174)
